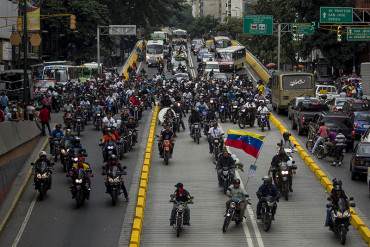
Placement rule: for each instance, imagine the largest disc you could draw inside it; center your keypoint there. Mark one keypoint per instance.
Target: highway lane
(358, 189)
(56, 222)
(299, 221)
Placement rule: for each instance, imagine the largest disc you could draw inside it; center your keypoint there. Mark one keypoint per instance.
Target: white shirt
(263, 109)
(109, 121)
(215, 132)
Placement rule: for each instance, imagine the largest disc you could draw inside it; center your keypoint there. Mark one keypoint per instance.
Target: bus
(154, 52)
(53, 75)
(180, 37)
(87, 71)
(159, 35)
(231, 58)
(221, 42)
(285, 86)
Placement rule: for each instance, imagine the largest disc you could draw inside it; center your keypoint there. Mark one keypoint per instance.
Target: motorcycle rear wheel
(266, 222)
(114, 196)
(342, 235)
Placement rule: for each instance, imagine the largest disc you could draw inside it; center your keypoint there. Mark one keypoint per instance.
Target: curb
(19, 193)
(356, 221)
(137, 224)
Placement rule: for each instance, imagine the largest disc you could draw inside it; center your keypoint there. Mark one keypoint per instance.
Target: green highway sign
(336, 15)
(258, 24)
(305, 28)
(358, 34)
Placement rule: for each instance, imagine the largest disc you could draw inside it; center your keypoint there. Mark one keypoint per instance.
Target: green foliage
(202, 26)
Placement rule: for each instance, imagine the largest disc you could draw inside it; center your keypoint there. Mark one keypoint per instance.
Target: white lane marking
(191, 63)
(25, 222)
(138, 67)
(250, 212)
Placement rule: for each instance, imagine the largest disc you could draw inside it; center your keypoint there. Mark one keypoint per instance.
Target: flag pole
(254, 164)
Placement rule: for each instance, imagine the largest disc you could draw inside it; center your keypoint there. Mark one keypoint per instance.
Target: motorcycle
(233, 214)
(283, 175)
(267, 211)
(323, 150)
(114, 183)
(78, 125)
(196, 132)
(222, 112)
(108, 150)
(243, 117)
(166, 151)
(79, 189)
(340, 219)
(234, 112)
(179, 216)
(56, 148)
(42, 179)
(263, 120)
(226, 178)
(98, 121)
(136, 113)
(217, 146)
(120, 148)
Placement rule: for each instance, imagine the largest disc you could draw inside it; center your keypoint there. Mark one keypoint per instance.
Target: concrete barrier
(143, 185)
(14, 134)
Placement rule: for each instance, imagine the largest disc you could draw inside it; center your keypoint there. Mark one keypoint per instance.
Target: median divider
(138, 222)
(356, 221)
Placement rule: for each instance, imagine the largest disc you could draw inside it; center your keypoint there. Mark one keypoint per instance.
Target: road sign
(258, 24)
(15, 38)
(358, 34)
(305, 28)
(35, 39)
(336, 15)
(122, 30)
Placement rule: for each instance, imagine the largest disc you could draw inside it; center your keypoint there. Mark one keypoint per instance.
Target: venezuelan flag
(250, 142)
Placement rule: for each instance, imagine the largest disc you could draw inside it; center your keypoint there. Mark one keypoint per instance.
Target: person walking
(44, 117)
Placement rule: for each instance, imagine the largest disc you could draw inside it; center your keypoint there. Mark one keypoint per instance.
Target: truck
(365, 76)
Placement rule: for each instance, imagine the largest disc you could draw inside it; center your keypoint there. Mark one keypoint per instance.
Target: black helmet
(337, 184)
(267, 180)
(236, 181)
(179, 185)
(286, 135)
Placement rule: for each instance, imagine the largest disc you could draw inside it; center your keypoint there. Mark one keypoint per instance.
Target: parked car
(360, 160)
(305, 112)
(334, 121)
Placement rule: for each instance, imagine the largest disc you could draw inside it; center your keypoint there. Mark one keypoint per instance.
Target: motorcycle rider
(237, 194)
(336, 193)
(262, 109)
(334, 140)
(166, 134)
(113, 161)
(88, 173)
(42, 159)
(193, 119)
(201, 106)
(276, 160)
(225, 160)
(214, 132)
(108, 120)
(265, 190)
(323, 134)
(57, 133)
(180, 195)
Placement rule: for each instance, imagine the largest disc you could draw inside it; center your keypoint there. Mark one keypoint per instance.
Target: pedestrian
(4, 100)
(30, 111)
(44, 117)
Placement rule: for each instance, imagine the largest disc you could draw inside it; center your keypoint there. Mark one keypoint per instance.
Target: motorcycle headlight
(211, 101)
(78, 181)
(38, 175)
(78, 120)
(75, 159)
(63, 151)
(222, 107)
(98, 115)
(110, 148)
(45, 175)
(232, 205)
(225, 173)
(284, 172)
(216, 141)
(117, 180)
(235, 106)
(110, 180)
(243, 110)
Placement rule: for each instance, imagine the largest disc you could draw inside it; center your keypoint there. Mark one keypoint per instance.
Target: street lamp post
(23, 8)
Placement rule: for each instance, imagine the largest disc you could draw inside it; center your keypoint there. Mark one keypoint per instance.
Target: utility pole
(279, 46)
(98, 49)
(23, 8)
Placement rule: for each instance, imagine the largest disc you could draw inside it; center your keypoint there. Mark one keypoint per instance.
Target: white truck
(365, 76)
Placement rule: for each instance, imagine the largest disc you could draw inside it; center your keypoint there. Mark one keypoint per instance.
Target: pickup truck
(304, 112)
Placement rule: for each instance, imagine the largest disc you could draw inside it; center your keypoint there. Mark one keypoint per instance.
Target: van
(330, 91)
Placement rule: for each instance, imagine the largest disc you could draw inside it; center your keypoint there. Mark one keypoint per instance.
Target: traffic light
(295, 32)
(339, 34)
(72, 22)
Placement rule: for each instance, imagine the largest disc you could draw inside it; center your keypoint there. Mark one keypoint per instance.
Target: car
(360, 161)
(179, 67)
(361, 122)
(181, 76)
(293, 104)
(196, 45)
(334, 121)
(328, 91)
(336, 104)
(353, 105)
(305, 112)
(208, 57)
(211, 66)
(200, 53)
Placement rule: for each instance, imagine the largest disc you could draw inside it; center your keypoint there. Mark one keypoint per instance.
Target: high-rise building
(232, 8)
(207, 7)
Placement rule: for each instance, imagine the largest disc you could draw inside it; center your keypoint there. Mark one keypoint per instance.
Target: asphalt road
(56, 221)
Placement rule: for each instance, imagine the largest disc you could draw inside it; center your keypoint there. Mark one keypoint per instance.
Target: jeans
(186, 215)
(328, 219)
(43, 128)
(318, 141)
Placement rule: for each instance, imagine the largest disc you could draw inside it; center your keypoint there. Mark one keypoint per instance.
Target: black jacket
(225, 162)
(277, 159)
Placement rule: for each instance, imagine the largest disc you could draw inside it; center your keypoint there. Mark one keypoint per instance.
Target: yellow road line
(137, 224)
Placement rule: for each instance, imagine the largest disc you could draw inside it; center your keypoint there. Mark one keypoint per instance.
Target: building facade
(8, 9)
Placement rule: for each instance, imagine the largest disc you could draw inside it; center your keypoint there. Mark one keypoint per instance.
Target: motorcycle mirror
(293, 162)
(246, 195)
(351, 198)
(352, 204)
(32, 164)
(125, 167)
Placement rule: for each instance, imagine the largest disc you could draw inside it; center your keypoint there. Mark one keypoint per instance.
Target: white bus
(154, 52)
(231, 58)
(221, 42)
(179, 37)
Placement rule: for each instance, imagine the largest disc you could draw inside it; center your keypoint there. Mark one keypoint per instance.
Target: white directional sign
(122, 30)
